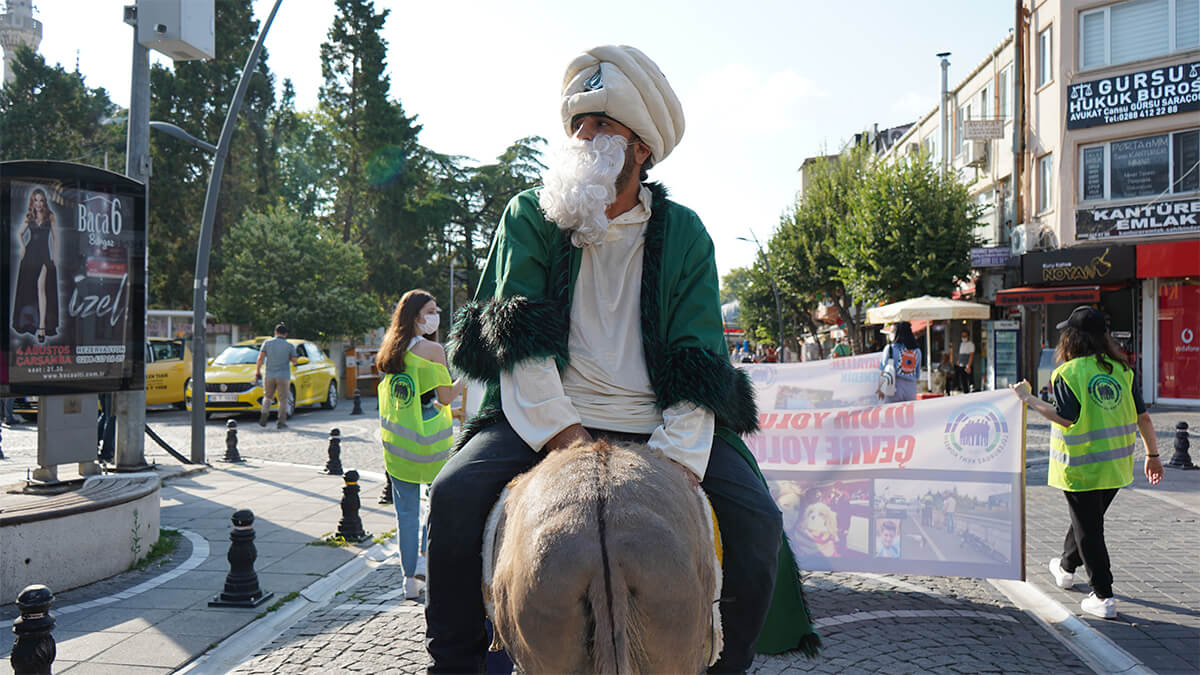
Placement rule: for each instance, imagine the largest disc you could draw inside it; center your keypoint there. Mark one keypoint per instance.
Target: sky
(763, 84)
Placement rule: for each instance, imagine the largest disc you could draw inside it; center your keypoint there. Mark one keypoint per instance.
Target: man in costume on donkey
(597, 314)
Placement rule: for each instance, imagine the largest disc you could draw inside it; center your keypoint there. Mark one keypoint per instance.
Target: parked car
(168, 371)
(897, 507)
(231, 386)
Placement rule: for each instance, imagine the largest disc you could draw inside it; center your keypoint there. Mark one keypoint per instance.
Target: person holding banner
(1096, 413)
(904, 356)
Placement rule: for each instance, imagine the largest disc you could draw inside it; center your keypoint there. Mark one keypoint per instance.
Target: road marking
(933, 544)
(199, 554)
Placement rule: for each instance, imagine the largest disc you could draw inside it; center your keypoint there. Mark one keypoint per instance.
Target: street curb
(1095, 649)
(242, 645)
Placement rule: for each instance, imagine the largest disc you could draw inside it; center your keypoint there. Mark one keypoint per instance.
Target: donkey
(603, 558)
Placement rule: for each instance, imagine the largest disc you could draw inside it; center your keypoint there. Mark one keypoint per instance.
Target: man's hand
(1022, 390)
(567, 437)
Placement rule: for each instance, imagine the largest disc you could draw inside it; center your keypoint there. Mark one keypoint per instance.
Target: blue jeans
(406, 497)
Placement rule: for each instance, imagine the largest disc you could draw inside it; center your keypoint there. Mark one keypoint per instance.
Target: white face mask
(429, 324)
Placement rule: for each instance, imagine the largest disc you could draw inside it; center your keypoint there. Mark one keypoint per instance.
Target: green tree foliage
(48, 113)
(911, 233)
(282, 268)
(195, 95)
(734, 283)
(802, 249)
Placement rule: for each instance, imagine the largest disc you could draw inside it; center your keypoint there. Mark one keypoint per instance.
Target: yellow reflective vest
(414, 448)
(1095, 453)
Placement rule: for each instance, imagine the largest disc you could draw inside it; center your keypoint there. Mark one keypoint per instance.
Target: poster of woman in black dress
(35, 302)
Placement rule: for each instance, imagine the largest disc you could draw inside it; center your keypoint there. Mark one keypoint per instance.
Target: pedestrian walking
(106, 429)
(1095, 417)
(904, 356)
(279, 355)
(9, 405)
(415, 422)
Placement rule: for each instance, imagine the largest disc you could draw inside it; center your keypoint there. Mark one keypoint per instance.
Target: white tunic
(605, 385)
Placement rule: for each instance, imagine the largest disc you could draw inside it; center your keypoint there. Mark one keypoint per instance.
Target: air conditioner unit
(976, 153)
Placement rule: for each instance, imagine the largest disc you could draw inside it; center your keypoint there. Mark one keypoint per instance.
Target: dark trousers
(466, 489)
(106, 428)
(1084, 544)
(963, 379)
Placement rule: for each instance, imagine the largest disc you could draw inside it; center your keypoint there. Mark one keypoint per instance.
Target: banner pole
(1024, 412)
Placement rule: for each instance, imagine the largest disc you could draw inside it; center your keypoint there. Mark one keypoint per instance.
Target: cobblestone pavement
(868, 623)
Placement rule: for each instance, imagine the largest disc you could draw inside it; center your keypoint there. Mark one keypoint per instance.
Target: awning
(1031, 295)
(1168, 259)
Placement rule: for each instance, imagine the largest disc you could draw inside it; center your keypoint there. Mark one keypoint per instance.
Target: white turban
(621, 82)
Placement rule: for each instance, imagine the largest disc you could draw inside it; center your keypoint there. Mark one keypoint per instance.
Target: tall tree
(802, 249)
(48, 113)
(911, 233)
(195, 95)
(733, 283)
(280, 267)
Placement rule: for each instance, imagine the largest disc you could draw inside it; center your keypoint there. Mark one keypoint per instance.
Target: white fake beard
(579, 183)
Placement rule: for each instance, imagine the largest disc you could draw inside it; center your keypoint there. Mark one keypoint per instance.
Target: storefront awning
(1031, 295)
(1168, 259)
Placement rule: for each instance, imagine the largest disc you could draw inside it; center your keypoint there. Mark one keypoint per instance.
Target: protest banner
(931, 488)
(74, 251)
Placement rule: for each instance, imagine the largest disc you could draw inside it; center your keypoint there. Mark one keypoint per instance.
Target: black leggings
(465, 490)
(1084, 544)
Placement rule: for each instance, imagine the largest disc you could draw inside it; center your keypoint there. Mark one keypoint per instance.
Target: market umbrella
(928, 308)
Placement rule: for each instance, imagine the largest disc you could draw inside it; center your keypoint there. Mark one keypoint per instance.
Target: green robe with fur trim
(522, 311)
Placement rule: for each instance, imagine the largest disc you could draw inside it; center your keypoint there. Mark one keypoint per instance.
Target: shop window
(1045, 57)
(1136, 30)
(1045, 182)
(1178, 343)
(1147, 166)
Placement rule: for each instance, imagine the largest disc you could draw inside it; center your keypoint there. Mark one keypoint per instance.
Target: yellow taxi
(231, 387)
(168, 371)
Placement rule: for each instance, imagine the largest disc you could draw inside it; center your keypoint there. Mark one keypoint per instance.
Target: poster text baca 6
(927, 487)
(74, 278)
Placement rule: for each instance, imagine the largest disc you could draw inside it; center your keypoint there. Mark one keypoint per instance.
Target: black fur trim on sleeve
(710, 381)
(494, 336)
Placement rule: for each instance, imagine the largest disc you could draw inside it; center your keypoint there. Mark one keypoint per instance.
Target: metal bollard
(241, 584)
(231, 449)
(385, 497)
(334, 466)
(1181, 459)
(34, 649)
(357, 403)
(350, 527)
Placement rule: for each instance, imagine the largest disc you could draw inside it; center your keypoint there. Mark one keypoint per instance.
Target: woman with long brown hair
(1096, 413)
(35, 304)
(415, 392)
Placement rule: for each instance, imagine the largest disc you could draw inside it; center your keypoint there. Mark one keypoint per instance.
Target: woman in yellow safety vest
(415, 392)
(1096, 413)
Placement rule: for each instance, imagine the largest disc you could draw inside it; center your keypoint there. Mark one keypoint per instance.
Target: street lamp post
(774, 288)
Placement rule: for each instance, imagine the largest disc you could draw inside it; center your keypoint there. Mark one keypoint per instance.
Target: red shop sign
(1179, 340)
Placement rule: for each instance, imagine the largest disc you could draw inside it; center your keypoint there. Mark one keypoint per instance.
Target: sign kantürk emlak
(1139, 220)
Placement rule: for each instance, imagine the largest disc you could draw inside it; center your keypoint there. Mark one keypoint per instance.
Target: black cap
(1086, 319)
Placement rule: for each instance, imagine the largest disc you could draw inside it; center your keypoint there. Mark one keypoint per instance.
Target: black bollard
(334, 466)
(350, 527)
(357, 404)
(231, 450)
(241, 584)
(1181, 459)
(34, 649)
(386, 496)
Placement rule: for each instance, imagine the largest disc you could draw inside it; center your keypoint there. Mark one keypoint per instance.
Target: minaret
(18, 27)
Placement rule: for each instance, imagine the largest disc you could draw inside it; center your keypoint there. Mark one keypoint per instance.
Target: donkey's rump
(603, 561)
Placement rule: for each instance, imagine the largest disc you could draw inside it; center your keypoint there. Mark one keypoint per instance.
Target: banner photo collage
(931, 487)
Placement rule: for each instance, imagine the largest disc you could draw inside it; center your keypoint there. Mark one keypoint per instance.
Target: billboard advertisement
(932, 487)
(73, 291)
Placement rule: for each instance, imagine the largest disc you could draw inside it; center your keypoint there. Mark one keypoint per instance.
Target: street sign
(983, 130)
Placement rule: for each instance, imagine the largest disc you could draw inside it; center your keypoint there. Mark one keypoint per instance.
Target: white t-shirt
(965, 349)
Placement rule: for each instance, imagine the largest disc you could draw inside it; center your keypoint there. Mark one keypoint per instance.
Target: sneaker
(419, 573)
(413, 588)
(1062, 578)
(262, 421)
(281, 425)
(1105, 608)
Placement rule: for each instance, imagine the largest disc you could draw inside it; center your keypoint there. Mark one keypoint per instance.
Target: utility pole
(944, 124)
(774, 288)
(200, 283)
(131, 405)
